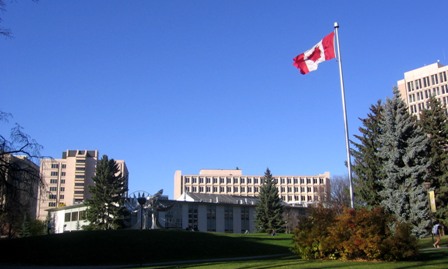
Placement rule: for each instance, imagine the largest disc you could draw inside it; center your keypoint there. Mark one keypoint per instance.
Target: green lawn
(162, 248)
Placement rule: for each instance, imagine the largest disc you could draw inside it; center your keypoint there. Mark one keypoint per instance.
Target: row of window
(55, 174)
(301, 198)
(236, 180)
(426, 81)
(56, 165)
(422, 95)
(236, 189)
(75, 216)
(54, 196)
(56, 189)
(416, 108)
(55, 181)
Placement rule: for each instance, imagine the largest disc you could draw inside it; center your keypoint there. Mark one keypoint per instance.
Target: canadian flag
(310, 59)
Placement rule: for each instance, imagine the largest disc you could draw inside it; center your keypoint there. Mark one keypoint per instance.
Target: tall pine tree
(105, 208)
(366, 164)
(434, 122)
(269, 210)
(404, 154)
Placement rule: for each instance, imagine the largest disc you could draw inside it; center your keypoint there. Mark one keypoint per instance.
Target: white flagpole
(347, 141)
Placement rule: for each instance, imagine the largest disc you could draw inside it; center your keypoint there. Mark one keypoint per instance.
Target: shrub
(353, 234)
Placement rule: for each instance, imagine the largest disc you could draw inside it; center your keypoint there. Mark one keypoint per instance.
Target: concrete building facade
(420, 84)
(293, 189)
(192, 211)
(67, 180)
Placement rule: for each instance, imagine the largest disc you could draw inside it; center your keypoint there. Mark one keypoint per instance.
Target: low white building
(191, 211)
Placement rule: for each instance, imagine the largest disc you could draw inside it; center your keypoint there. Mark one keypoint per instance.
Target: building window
(229, 189)
(221, 180)
(289, 189)
(54, 173)
(314, 180)
(282, 189)
(242, 189)
(64, 166)
(288, 180)
(67, 217)
(79, 192)
(255, 189)
(296, 189)
(53, 181)
(282, 180)
(63, 174)
(52, 196)
(235, 180)
(80, 169)
(242, 180)
(201, 180)
(308, 181)
(79, 176)
(195, 179)
(221, 189)
(249, 189)
(308, 189)
(228, 219)
(235, 189)
(207, 189)
(61, 196)
(249, 180)
(228, 180)
(244, 219)
(80, 160)
(201, 189)
(53, 188)
(211, 218)
(187, 180)
(256, 180)
(193, 189)
(207, 180)
(54, 165)
(79, 184)
(82, 215)
(215, 180)
(321, 181)
(215, 189)
(187, 189)
(62, 189)
(302, 181)
(193, 217)
(74, 216)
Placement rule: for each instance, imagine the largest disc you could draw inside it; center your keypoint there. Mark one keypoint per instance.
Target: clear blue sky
(190, 85)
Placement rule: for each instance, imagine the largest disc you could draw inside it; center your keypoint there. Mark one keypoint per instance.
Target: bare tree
(3, 31)
(340, 192)
(19, 178)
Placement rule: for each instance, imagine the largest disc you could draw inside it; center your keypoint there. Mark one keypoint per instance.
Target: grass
(160, 248)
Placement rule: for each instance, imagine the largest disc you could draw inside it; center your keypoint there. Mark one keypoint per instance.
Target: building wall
(293, 189)
(421, 83)
(67, 180)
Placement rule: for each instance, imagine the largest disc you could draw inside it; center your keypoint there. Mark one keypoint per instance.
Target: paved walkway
(142, 265)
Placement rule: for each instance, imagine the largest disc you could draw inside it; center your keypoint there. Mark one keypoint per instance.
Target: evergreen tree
(269, 210)
(404, 153)
(434, 122)
(366, 164)
(106, 203)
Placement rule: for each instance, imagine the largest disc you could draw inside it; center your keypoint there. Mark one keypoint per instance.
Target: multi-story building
(420, 84)
(293, 189)
(67, 180)
(18, 191)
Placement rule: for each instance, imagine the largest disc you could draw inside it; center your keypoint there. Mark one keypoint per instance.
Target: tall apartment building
(420, 84)
(293, 189)
(67, 180)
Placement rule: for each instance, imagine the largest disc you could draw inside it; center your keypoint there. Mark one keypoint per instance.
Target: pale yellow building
(67, 180)
(420, 84)
(293, 189)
